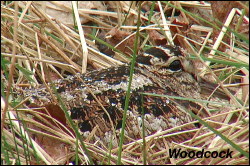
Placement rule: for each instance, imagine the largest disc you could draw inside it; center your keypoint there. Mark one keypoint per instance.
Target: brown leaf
(221, 10)
(156, 37)
(54, 147)
(182, 31)
(53, 111)
(115, 36)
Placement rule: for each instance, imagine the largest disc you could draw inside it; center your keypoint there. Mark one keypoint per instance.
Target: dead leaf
(58, 9)
(156, 37)
(114, 37)
(221, 10)
(54, 147)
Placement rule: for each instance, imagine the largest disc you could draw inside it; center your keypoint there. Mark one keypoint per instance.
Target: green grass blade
(129, 87)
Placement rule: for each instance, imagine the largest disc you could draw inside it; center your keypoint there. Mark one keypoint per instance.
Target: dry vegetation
(44, 41)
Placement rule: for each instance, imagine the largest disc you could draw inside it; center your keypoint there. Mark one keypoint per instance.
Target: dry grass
(51, 47)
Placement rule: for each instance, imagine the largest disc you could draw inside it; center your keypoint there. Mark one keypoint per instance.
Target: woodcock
(159, 70)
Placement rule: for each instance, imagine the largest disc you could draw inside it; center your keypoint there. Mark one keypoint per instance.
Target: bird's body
(96, 99)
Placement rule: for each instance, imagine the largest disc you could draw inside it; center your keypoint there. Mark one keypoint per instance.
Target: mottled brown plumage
(159, 70)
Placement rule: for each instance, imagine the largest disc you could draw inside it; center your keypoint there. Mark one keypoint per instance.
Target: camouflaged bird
(96, 99)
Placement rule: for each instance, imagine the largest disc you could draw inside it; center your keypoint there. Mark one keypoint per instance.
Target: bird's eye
(175, 65)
